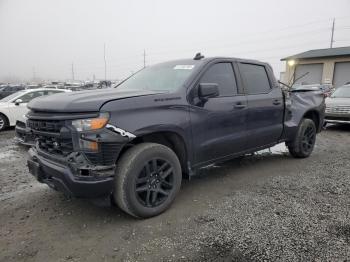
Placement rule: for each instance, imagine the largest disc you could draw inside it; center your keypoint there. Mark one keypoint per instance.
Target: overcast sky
(45, 37)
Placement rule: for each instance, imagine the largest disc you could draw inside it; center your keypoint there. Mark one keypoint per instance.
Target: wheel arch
(314, 115)
(6, 118)
(171, 139)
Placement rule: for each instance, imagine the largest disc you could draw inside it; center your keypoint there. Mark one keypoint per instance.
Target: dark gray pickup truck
(136, 141)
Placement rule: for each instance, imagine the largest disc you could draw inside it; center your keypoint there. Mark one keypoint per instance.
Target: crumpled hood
(340, 101)
(83, 101)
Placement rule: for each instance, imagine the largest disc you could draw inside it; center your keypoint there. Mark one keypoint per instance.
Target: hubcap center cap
(154, 180)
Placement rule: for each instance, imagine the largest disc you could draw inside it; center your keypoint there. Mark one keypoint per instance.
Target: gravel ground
(265, 207)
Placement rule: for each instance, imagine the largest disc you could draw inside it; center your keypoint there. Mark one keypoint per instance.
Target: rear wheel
(3, 122)
(148, 177)
(304, 142)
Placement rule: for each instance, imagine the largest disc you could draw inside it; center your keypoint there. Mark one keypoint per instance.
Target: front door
(20, 109)
(218, 123)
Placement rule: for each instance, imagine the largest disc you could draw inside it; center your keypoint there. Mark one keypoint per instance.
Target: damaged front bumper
(83, 181)
(79, 173)
(23, 135)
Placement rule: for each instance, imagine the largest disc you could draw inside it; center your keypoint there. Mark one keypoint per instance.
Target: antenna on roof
(198, 56)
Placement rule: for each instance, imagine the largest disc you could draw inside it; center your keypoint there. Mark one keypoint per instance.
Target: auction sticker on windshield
(184, 67)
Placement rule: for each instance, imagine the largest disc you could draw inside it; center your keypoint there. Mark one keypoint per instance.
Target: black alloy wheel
(147, 179)
(309, 138)
(303, 143)
(155, 182)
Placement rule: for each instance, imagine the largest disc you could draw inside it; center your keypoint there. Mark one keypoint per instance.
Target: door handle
(239, 105)
(276, 102)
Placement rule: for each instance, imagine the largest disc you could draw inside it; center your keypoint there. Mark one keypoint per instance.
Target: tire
(3, 122)
(304, 142)
(147, 179)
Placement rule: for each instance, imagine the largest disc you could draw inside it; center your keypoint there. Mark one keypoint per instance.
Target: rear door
(218, 123)
(265, 105)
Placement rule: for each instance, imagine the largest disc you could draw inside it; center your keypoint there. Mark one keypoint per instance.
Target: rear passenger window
(255, 79)
(223, 75)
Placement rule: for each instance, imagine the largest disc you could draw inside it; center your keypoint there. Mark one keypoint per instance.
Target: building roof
(319, 53)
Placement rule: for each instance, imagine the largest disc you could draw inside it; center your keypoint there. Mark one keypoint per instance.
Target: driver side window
(28, 97)
(223, 75)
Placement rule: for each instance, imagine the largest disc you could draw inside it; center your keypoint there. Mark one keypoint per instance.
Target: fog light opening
(88, 145)
(84, 172)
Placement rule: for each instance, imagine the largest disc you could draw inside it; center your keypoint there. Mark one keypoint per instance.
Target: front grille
(50, 136)
(45, 125)
(54, 145)
(338, 109)
(107, 155)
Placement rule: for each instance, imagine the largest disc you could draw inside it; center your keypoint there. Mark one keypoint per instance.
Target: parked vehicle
(338, 106)
(51, 86)
(8, 90)
(135, 142)
(34, 86)
(13, 107)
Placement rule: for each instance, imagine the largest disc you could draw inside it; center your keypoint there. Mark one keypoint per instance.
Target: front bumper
(337, 118)
(62, 177)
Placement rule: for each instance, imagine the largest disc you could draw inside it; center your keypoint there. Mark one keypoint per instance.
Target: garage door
(314, 75)
(341, 73)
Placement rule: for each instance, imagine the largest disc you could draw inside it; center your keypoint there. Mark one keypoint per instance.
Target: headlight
(91, 123)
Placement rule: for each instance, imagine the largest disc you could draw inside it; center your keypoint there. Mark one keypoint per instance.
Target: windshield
(162, 77)
(343, 91)
(8, 98)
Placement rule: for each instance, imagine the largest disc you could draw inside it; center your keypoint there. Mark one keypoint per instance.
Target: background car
(338, 106)
(14, 106)
(8, 90)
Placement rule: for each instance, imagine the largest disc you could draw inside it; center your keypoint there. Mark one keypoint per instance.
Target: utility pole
(104, 57)
(332, 37)
(72, 71)
(144, 58)
(34, 75)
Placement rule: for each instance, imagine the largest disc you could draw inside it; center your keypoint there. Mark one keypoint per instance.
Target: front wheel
(147, 179)
(304, 142)
(3, 122)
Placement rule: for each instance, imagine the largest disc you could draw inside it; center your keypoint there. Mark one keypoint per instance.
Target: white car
(338, 106)
(14, 107)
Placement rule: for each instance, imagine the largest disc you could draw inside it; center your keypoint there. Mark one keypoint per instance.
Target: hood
(3, 104)
(83, 101)
(343, 101)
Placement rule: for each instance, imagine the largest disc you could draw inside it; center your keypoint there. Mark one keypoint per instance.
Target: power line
(257, 35)
(133, 61)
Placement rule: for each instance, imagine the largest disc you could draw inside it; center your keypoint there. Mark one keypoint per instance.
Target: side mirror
(208, 90)
(18, 101)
